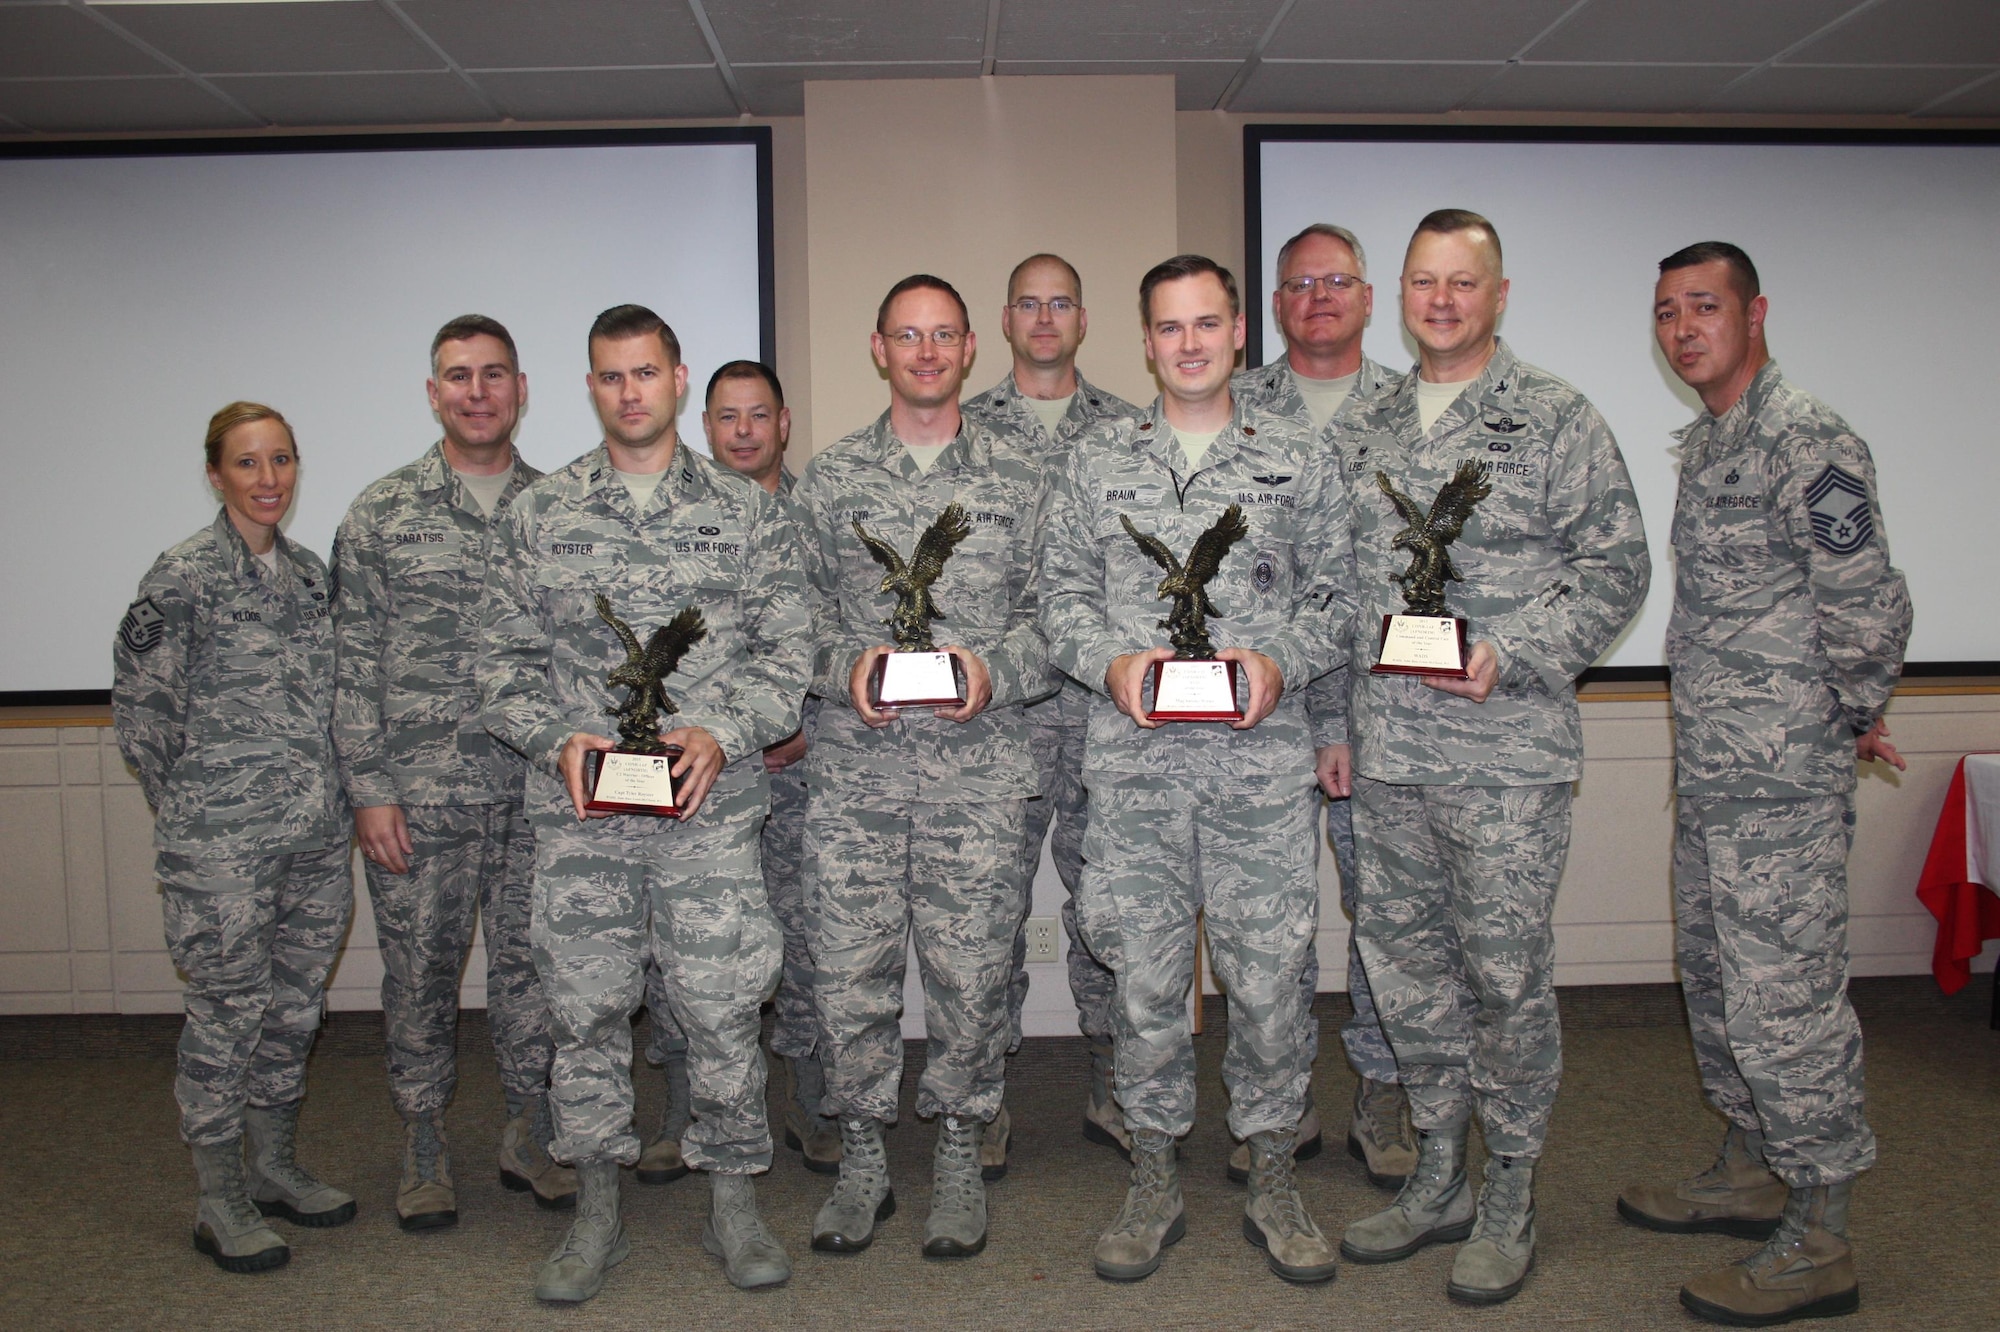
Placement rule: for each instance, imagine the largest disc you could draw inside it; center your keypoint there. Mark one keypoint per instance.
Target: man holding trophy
(646, 568)
(919, 534)
(1499, 549)
(1199, 756)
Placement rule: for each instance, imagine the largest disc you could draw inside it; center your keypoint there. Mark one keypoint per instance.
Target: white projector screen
(142, 292)
(1878, 260)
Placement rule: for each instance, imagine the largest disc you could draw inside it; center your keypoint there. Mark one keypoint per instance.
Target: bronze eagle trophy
(644, 672)
(1428, 537)
(1187, 584)
(911, 582)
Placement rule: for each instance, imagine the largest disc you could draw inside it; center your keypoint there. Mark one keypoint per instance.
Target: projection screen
(1879, 259)
(146, 286)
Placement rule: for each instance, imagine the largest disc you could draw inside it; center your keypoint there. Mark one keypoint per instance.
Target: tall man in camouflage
(915, 817)
(1462, 786)
(1787, 636)
(748, 427)
(1195, 816)
(222, 696)
(1323, 301)
(1047, 404)
(655, 529)
(437, 801)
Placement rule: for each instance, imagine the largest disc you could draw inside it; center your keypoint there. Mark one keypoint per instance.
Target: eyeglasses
(912, 337)
(1335, 284)
(1059, 306)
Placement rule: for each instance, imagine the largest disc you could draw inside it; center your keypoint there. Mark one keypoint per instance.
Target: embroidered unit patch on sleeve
(1838, 502)
(143, 627)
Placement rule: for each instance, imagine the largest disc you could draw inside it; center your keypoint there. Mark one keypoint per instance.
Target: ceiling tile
(1809, 90)
(1130, 29)
(1914, 32)
(779, 90)
(767, 31)
(356, 99)
(1277, 86)
(1715, 32)
(1983, 100)
(534, 34)
(1665, 89)
(615, 94)
(1196, 83)
(133, 106)
(1413, 29)
(40, 40)
(271, 39)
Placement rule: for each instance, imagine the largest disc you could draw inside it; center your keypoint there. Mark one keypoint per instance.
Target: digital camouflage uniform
(410, 563)
(1197, 816)
(1056, 726)
(222, 697)
(691, 890)
(795, 1034)
(1461, 809)
(915, 830)
(1788, 633)
(1274, 389)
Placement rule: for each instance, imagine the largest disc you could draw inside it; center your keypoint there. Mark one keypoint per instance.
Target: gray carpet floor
(98, 1196)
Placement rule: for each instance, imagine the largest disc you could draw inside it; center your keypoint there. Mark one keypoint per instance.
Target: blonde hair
(236, 414)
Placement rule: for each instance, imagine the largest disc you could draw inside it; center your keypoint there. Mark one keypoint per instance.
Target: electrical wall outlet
(1042, 932)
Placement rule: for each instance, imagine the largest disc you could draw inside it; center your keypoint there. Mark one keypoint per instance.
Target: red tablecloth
(1968, 914)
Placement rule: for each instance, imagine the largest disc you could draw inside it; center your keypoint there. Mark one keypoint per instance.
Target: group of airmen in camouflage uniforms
(448, 678)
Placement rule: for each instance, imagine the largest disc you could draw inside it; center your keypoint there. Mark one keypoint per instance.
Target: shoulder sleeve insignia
(143, 627)
(1838, 503)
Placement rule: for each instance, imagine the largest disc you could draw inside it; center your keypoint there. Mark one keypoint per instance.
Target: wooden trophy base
(1422, 645)
(1197, 691)
(916, 680)
(627, 781)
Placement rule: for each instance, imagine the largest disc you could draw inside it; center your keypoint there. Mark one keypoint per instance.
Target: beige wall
(963, 178)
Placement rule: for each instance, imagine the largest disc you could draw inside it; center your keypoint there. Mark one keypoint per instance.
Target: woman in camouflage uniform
(222, 699)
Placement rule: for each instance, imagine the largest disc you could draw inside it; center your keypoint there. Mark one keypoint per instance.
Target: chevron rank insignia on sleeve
(143, 626)
(1838, 502)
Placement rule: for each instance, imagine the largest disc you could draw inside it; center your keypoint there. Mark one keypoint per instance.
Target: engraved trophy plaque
(1194, 686)
(1424, 640)
(916, 674)
(637, 776)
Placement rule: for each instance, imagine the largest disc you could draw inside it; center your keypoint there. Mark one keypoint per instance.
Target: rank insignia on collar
(143, 627)
(1838, 503)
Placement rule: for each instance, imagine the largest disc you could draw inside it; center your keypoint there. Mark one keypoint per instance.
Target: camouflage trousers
(948, 878)
(1458, 891)
(1367, 1048)
(1059, 804)
(467, 863)
(256, 937)
(1760, 905)
(606, 892)
(1241, 852)
(796, 1033)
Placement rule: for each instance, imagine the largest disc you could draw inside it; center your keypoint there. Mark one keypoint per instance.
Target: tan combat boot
(862, 1198)
(525, 1163)
(1307, 1138)
(660, 1162)
(1275, 1218)
(751, 1255)
(1805, 1270)
(595, 1242)
(1735, 1196)
(1433, 1207)
(227, 1225)
(279, 1185)
(426, 1199)
(814, 1136)
(1152, 1216)
(956, 1227)
(1494, 1262)
(993, 1147)
(1380, 1136)
(1103, 1118)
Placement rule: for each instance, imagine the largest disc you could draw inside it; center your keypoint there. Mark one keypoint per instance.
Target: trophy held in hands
(916, 674)
(1424, 640)
(1194, 686)
(637, 777)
